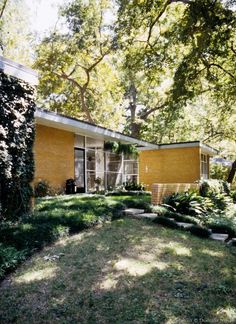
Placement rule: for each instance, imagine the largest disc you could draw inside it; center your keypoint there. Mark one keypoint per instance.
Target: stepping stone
(219, 236)
(232, 242)
(184, 225)
(133, 211)
(146, 215)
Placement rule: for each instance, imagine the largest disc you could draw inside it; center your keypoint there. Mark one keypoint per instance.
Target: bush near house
(17, 108)
(213, 208)
(56, 217)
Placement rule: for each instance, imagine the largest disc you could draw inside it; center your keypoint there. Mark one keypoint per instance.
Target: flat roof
(204, 147)
(71, 124)
(59, 121)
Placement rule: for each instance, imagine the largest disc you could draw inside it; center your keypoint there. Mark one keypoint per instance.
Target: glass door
(80, 170)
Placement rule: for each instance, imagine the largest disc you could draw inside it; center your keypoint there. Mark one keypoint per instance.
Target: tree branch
(156, 20)
(145, 115)
(168, 2)
(223, 69)
(3, 8)
(232, 48)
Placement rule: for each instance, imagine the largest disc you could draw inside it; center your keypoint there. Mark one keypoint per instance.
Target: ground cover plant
(212, 208)
(57, 217)
(126, 271)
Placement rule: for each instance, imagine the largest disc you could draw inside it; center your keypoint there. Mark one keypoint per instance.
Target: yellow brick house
(67, 148)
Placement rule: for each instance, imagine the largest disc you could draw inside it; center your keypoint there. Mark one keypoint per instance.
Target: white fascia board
(179, 145)
(204, 148)
(72, 125)
(208, 149)
(18, 71)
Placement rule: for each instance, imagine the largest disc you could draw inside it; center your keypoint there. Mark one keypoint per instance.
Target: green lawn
(54, 218)
(125, 271)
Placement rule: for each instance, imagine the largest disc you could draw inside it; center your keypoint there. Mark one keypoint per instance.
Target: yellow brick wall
(177, 165)
(54, 155)
(159, 191)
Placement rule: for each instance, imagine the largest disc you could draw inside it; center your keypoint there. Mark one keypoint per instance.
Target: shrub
(16, 146)
(159, 210)
(182, 218)
(221, 201)
(55, 218)
(127, 193)
(165, 221)
(218, 171)
(200, 231)
(133, 186)
(41, 189)
(187, 203)
(233, 195)
(213, 187)
(9, 258)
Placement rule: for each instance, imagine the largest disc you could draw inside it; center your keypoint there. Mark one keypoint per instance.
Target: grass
(57, 217)
(126, 271)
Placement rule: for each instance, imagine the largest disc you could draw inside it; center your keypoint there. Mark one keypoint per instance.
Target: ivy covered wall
(17, 106)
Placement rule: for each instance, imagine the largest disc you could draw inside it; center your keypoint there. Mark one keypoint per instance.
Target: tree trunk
(232, 173)
(85, 108)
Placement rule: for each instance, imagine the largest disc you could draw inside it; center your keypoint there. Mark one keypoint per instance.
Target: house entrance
(80, 170)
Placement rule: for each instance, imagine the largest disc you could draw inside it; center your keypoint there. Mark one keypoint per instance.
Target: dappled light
(134, 267)
(37, 275)
(229, 313)
(213, 253)
(124, 271)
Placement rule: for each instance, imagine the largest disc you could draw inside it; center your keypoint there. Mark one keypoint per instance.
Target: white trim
(18, 71)
(52, 119)
(204, 148)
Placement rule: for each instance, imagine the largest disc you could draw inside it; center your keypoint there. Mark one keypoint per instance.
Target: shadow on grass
(125, 272)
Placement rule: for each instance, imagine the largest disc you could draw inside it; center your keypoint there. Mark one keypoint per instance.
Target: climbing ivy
(17, 106)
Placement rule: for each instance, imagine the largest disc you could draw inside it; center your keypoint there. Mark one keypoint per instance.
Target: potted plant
(98, 182)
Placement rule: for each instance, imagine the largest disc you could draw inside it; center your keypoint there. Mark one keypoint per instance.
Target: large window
(204, 166)
(114, 170)
(130, 170)
(95, 168)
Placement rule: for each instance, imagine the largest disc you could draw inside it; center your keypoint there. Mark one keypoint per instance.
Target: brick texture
(54, 155)
(159, 191)
(178, 165)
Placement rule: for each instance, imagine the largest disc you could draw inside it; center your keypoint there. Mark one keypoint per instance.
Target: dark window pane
(79, 168)
(90, 160)
(113, 180)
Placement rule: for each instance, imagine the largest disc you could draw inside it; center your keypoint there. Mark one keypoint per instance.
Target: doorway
(80, 170)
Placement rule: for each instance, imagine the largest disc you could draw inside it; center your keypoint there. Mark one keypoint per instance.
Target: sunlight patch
(37, 275)
(228, 313)
(133, 267)
(212, 253)
(179, 249)
(108, 283)
(137, 267)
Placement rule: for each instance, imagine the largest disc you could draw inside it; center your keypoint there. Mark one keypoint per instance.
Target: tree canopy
(161, 70)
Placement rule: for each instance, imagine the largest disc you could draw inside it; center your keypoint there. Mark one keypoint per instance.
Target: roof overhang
(18, 71)
(204, 147)
(58, 121)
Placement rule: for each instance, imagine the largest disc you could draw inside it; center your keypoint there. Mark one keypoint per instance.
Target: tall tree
(15, 35)
(78, 64)
(191, 41)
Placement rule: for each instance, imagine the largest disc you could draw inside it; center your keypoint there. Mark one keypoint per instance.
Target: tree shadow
(125, 272)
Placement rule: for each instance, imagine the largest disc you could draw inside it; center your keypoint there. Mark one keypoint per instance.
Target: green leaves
(16, 146)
